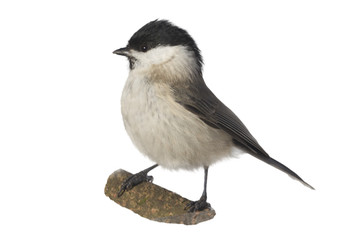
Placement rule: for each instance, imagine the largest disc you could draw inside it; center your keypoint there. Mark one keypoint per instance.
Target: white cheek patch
(161, 55)
(156, 55)
(168, 61)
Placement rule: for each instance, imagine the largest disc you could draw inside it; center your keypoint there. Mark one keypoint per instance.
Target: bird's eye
(144, 48)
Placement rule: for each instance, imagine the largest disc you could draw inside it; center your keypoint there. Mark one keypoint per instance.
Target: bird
(170, 114)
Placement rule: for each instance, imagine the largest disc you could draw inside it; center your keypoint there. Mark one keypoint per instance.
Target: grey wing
(202, 102)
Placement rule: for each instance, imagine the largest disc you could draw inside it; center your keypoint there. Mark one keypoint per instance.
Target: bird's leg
(136, 179)
(201, 204)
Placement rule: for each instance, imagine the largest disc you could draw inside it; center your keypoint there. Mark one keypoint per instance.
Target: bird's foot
(196, 206)
(134, 180)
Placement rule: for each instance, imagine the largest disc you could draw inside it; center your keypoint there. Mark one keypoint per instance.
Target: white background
(289, 69)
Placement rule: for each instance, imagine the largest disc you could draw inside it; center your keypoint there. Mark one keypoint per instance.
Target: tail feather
(285, 169)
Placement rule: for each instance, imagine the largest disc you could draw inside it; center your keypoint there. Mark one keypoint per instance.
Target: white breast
(165, 131)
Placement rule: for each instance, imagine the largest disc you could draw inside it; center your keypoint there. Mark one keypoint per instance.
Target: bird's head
(162, 46)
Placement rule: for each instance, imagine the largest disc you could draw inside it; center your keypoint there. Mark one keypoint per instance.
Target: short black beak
(122, 51)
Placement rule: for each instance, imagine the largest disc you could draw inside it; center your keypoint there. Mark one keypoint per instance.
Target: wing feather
(202, 102)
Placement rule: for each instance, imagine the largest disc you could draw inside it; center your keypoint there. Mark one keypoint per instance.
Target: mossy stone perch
(154, 202)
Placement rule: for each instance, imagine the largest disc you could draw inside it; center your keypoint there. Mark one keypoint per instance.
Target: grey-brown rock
(154, 202)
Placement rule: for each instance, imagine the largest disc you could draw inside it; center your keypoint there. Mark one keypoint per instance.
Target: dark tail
(285, 169)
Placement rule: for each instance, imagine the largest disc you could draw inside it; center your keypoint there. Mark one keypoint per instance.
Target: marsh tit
(170, 114)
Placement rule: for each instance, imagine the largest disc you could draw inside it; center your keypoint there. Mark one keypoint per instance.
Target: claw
(135, 180)
(196, 206)
(149, 179)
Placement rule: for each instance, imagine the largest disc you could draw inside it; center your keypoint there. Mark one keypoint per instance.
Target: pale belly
(166, 132)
